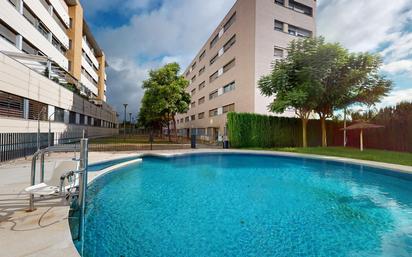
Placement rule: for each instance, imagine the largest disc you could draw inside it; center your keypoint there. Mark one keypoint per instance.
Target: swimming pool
(248, 205)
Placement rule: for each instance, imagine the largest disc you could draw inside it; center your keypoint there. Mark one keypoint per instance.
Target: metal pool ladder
(82, 171)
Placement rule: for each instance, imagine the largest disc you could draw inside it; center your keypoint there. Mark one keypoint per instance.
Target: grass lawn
(368, 154)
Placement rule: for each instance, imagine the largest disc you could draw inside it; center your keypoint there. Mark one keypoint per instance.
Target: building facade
(224, 74)
(52, 70)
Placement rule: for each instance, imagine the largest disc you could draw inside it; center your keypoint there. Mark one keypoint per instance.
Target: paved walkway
(45, 232)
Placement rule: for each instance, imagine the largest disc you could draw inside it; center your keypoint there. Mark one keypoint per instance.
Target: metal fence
(19, 145)
(16, 145)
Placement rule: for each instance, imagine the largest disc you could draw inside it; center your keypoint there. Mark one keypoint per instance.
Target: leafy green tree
(295, 80)
(165, 96)
(323, 77)
(352, 79)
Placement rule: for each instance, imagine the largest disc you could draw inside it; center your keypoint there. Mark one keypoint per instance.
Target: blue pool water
(248, 205)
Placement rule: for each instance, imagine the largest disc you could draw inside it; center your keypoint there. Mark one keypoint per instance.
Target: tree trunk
(304, 132)
(174, 127)
(168, 131)
(324, 135)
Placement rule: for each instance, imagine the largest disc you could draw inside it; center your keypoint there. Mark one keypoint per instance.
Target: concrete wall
(241, 73)
(15, 78)
(15, 20)
(267, 38)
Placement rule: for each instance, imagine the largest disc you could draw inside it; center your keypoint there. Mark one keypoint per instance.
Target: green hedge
(254, 130)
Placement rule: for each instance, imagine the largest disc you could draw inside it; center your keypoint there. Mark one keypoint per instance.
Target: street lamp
(124, 122)
(130, 120)
(38, 126)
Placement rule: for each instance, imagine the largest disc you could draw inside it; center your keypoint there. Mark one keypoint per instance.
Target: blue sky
(139, 35)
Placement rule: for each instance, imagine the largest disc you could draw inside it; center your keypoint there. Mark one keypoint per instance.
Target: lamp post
(49, 134)
(130, 122)
(38, 127)
(124, 122)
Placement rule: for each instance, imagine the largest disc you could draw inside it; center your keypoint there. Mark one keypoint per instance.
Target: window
(58, 21)
(81, 119)
(229, 65)
(202, 70)
(229, 43)
(213, 112)
(58, 114)
(280, 2)
(278, 52)
(193, 117)
(299, 32)
(278, 25)
(213, 94)
(29, 48)
(7, 33)
(193, 65)
(214, 58)
(201, 115)
(58, 45)
(193, 91)
(37, 110)
(187, 119)
(300, 8)
(229, 87)
(213, 77)
(72, 118)
(202, 85)
(214, 41)
(192, 79)
(28, 14)
(229, 108)
(13, 2)
(193, 105)
(11, 105)
(187, 74)
(202, 55)
(43, 30)
(201, 100)
(229, 23)
(45, 4)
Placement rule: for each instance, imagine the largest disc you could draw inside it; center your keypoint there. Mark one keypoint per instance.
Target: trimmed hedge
(255, 130)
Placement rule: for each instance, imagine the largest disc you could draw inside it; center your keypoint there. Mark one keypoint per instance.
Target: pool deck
(45, 232)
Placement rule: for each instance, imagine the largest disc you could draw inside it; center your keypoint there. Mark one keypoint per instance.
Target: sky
(139, 35)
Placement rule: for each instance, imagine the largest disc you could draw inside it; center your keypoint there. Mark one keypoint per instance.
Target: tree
(323, 77)
(165, 96)
(295, 80)
(352, 79)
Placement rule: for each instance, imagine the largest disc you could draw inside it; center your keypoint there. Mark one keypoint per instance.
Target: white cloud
(178, 28)
(361, 25)
(172, 33)
(404, 95)
(398, 66)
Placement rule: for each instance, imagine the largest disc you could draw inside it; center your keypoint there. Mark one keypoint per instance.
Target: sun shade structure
(361, 126)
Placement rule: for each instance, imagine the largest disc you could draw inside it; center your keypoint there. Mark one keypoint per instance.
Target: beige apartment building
(51, 69)
(224, 74)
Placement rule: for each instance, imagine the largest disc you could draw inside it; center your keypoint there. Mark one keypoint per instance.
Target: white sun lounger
(52, 186)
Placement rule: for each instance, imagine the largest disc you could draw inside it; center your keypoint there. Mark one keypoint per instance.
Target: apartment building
(224, 74)
(51, 69)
